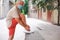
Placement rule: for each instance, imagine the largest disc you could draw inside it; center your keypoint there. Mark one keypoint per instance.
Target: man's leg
(12, 29)
(11, 33)
(22, 16)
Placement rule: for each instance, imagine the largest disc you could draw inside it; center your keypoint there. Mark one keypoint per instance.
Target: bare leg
(11, 33)
(10, 37)
(12, 29)
(22, 16)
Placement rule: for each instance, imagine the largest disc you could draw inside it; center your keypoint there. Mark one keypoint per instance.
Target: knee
(22, 15)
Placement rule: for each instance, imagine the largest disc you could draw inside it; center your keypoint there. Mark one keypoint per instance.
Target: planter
(49, 13)
(39, 14)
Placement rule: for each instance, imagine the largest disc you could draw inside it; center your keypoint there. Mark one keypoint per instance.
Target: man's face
(20, 5)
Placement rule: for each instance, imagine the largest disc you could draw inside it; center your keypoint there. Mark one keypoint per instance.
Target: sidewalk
(48, 32)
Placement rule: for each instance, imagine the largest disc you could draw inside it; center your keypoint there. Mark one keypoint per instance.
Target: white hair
(21, 0)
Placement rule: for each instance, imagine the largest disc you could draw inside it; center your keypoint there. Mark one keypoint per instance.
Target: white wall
(4, 8)
(32, 11)
(44, 15)
(13, 1)
(55, 16)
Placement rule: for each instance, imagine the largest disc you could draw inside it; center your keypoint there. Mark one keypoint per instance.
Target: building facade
(4, 8)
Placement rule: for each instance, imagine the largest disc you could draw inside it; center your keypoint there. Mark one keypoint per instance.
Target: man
(14, 17)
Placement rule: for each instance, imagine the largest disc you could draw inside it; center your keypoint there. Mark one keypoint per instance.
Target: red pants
(12, 27)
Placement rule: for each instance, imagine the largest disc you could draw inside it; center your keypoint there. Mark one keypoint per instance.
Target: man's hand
(27, 28)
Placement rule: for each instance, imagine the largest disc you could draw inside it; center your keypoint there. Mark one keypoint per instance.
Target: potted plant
(46, 4)
(37, 6)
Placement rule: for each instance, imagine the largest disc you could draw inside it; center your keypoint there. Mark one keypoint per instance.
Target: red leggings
(12, 27)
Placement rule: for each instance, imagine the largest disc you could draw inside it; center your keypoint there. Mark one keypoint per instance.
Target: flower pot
(39, 14)
(49, 13)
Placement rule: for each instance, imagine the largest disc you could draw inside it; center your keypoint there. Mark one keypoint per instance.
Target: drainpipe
(58, 15)
(58, 11)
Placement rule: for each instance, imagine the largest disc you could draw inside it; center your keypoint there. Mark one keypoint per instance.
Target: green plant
(26, 7)
(45, 4)
(15, 0)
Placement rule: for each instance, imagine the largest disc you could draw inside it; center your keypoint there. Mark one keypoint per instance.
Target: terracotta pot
(49, 13)
(39, 14)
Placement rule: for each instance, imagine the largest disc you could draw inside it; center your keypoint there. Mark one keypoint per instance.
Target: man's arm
(21, 23)
(22, 16)
(23, 20)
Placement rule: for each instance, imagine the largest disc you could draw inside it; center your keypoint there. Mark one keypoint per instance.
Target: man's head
(20, 5)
